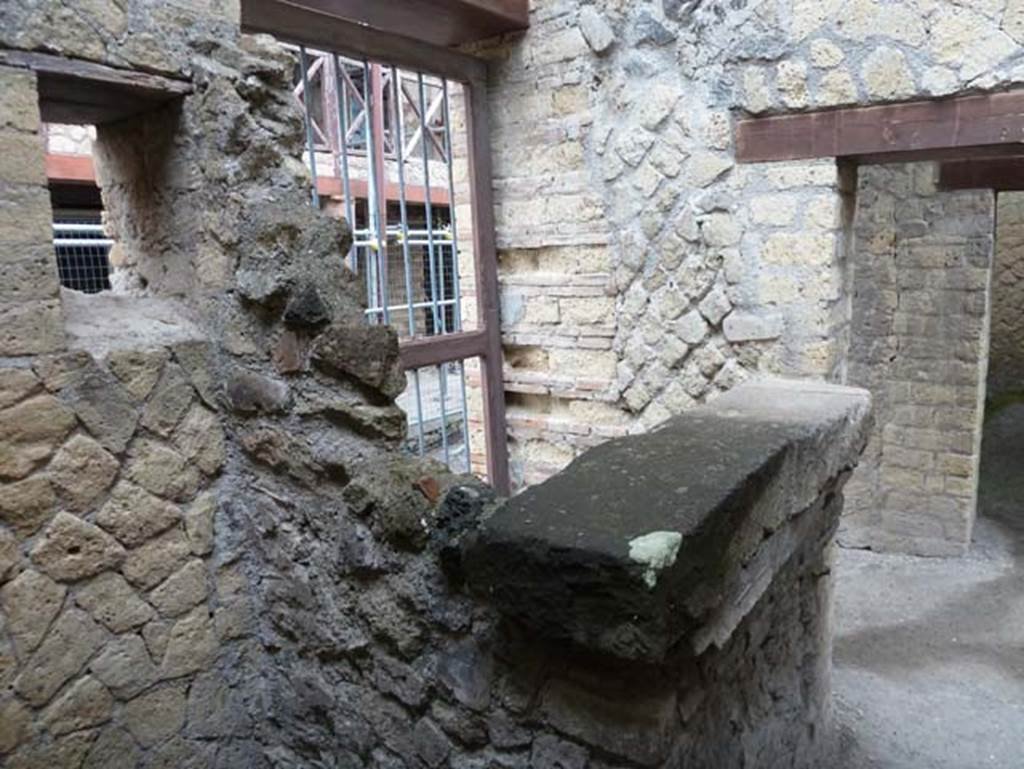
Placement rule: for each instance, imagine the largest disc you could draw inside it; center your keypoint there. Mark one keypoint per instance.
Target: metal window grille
(82, 250)
(379, 144)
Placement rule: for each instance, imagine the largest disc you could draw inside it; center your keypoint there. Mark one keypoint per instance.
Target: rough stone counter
(678, 582)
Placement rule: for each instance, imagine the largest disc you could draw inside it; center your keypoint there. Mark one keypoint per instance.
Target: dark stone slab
(639, 541)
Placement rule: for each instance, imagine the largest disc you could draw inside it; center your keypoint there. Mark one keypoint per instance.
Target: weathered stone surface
(664, 538)
(918, 340)
(550, 752)
(113, 749)
(125, 666)
(19, 102)
(30, 432)
(10, 555)
(596, 30)
(67, 750)
(199, 520)
(156, 634)
(32, 327)
(133, 515)
(58, 371)
(26, 505)
(153, 562)
(200, 439)
(86, 703)
(182, 590)
(103, 405)
(306, 309)
(430, 743)
(82, 470)
(743, 327)
(70, 643)
(467, 672)
(367, 355)
(191, 645)
(110, 601)
(168, 402)
(197, 360)
(15, 385)
(161, 470)
(639, 721)
(71, 549)
(138, 370)
(30, 602)
(388, 495)
(250, 393)
(15, 719)
(290, 352)
(281, 452)
(156, 715)
(216, 709)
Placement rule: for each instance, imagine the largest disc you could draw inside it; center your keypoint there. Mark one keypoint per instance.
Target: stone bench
(678, 581)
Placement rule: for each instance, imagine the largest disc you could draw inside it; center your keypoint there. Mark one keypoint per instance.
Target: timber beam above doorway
(979, 125)
(443, 23)
(999, 174)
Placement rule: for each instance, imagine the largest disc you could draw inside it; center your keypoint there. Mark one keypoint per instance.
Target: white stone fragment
(657, 551)
(596, 31)
(748, 327)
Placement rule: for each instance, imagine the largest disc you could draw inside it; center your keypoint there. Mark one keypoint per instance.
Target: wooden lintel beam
(999, 174)
(918, 130)
(440, 22)
(77, 91)
(295, 23)
(434, 350)
(330, 186)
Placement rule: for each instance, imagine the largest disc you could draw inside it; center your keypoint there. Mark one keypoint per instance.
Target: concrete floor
(929, 653)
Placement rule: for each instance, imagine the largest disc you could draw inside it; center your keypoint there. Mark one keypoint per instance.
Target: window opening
(80, 242)
(379, 143)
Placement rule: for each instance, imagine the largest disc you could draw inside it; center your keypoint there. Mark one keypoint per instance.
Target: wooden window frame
(295, 23)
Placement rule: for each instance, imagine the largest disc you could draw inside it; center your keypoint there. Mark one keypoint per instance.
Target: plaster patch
(657, 551)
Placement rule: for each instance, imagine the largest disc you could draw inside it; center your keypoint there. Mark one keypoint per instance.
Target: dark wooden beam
(999, 174)
(440, 22)
(331, 187)
(294, 23)
(434, 350)
(919, 129)
(84, 92)
(485, 260)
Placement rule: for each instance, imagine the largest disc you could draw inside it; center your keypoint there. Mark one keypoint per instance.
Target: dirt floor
(929, 653)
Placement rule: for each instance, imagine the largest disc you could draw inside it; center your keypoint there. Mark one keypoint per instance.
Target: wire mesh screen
(435, 400)
(83, 251)
(379, 147)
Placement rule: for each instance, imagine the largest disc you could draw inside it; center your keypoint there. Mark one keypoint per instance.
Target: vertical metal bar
(380, 186)
(465, 416)
(341, 160)
(442, 381)
(403, 213)
(430, 216)
(419, 410)
(309, 122)
(486, 261)
(372, 296)
(449, 155)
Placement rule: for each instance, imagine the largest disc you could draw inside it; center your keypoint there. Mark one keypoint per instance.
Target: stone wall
(919, 343)
(662, 273)
(1006, 348)
(677, 612)
(211, 553)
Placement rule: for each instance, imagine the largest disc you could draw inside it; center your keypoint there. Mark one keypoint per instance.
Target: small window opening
(80, 239)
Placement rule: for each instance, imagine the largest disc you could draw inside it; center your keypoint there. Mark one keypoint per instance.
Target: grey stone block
(638, 543)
